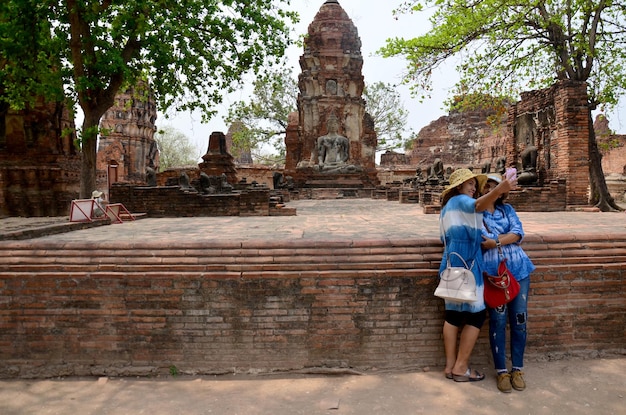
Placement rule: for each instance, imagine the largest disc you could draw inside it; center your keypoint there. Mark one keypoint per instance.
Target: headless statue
(435, 172)
(151, 179)
(528, 157)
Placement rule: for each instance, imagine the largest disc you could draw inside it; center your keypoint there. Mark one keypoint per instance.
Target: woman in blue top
(503, 230)
(461, 224)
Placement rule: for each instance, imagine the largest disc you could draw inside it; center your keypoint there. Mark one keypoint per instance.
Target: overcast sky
(375, 23)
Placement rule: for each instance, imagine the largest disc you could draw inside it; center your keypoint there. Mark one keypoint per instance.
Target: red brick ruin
(331, 86)
(330, 144)
(127, 148)
(209, 306)
(39, 161)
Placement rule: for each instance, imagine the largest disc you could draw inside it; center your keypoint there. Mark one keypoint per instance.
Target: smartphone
(510, 173)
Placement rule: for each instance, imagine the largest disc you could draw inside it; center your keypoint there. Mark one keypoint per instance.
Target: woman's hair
(449, 196)
(500, 200)
(456, 191)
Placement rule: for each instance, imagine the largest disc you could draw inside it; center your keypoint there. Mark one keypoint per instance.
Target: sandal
(467, 377)
(449, 376)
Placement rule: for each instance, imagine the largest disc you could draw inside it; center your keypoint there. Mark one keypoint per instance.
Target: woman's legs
(497, 336)
(514, 314)
(450, 334)
(518, 315)
(517, 320)
(457, 362)
(469, 335)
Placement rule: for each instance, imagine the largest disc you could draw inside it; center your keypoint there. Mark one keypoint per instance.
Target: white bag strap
(462, 260)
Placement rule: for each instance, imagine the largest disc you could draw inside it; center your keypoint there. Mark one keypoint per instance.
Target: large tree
(505, 46)
(263, 118)
(175, 149)
(30, 63)
(192, 52)
(384, 103)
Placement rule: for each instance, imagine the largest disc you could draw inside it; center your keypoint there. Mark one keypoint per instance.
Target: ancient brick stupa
(331, 142)
(217, 160)
(127, 148)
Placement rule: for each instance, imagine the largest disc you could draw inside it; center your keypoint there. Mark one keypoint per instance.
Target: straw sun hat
(96, 194)
(460, 176)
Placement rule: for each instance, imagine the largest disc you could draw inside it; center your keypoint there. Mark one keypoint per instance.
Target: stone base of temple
(218, 164)
(310, 178)
(551, 197)
(340, 182)
(333, 193)
(173, 201)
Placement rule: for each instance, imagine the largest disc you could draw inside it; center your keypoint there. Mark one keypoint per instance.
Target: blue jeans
(515, 314)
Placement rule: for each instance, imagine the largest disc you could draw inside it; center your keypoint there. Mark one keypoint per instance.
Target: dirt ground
(565, 387)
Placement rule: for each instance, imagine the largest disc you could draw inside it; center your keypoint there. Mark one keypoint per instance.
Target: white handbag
(457, 284)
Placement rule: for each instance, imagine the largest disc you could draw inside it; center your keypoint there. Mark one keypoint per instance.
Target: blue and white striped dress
(504, 220)
(462, 226)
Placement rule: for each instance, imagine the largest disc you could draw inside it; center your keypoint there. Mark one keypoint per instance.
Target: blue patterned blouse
(462, 225)
(505, 220)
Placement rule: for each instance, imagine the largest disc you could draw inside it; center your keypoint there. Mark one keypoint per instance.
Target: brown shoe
(504, 382)
(517, 380)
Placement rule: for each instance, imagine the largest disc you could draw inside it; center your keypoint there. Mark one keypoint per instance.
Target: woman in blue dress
(461, 223)
(502, 231)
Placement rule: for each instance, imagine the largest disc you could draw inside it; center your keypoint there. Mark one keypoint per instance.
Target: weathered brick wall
(391, 158)
(573, 117)
(459, 139)
(566, 156)
(251, 173)
(578, 296)
(39, 190)
(39, 164)
(173, 175)
(138, 308)
(548, 198)
(257, 173)
(614, 158)
(398, 173)
(171, 201)
(611, 146)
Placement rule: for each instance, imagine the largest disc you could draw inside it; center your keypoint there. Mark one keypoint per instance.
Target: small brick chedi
(331, 142)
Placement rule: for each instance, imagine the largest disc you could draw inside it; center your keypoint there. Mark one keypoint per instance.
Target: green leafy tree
(264, 117)
(191, 52)
(263, 120)
(175, 149)
(384, 103)
(30, 64)
(509, 45)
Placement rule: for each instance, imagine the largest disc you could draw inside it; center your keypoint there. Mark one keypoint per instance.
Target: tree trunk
(600, 196)
(89, 150)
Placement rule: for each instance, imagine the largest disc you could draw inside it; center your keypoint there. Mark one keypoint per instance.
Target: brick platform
(138, 297)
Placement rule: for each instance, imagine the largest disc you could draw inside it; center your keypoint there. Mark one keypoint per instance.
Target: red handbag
(500, 289)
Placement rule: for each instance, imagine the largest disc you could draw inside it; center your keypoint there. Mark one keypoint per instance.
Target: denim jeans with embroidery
(515, 314)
